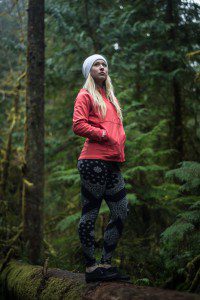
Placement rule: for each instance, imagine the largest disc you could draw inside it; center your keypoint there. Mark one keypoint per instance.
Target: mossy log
(23, 281)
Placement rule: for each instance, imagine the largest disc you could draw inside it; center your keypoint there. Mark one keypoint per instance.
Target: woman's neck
(100, 86)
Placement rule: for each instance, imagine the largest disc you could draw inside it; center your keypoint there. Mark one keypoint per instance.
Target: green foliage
(189, 174)
(180, 241)
(66, 222)
(143, 281)
(60, 175)
(132, 198)
(143, 61)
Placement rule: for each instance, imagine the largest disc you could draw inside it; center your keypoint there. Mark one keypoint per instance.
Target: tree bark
(28, 282)
(177, 125)
(34, 135)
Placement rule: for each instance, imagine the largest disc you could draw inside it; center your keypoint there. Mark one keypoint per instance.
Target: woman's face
(99, 71)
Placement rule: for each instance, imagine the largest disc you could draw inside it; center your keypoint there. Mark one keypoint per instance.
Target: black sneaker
(100, 274)
(120, 276)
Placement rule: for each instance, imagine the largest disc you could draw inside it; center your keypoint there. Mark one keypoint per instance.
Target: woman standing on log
(98, 117)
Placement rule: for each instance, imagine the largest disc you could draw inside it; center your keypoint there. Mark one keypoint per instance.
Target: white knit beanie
(87, 65)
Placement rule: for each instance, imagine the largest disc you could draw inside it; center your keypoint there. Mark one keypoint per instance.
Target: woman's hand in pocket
(109, 140)
(92, 141)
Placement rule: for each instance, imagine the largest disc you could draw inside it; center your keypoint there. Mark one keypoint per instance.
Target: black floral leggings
(100, 180)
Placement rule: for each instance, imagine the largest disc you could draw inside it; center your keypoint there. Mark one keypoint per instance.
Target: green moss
(75, 292)
(57, 288)
(21, 279)
(24, 282)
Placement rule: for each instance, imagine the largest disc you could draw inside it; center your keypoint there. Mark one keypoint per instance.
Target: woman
(98, 117)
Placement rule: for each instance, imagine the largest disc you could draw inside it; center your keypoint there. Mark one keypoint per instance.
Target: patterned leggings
(101, 179)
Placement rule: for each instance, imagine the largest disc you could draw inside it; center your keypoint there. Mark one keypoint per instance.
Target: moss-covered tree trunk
(23, 281)
(32, 207)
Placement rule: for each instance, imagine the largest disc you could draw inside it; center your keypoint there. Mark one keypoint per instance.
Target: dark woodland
(154, 53)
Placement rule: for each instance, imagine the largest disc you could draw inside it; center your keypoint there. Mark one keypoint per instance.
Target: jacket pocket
(112, 132)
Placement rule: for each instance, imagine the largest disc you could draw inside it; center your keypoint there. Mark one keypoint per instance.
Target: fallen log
(29, 282)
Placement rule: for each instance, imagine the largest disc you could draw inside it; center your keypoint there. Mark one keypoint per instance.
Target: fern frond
(66, 222)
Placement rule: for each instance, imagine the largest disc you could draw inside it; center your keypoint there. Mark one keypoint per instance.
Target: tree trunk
(27, 282)
(6, 161)
(177, 124)
(32, 207)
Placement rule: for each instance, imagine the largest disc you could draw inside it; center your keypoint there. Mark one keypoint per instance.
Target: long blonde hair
(98, 100)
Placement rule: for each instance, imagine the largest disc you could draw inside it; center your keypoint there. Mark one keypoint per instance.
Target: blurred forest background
(153, 52)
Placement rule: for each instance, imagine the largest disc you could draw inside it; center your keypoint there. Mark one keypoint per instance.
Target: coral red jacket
(88, 123)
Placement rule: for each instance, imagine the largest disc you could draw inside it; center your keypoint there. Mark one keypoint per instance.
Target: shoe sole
(123, 280)
(109, 278)
(120, 277)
